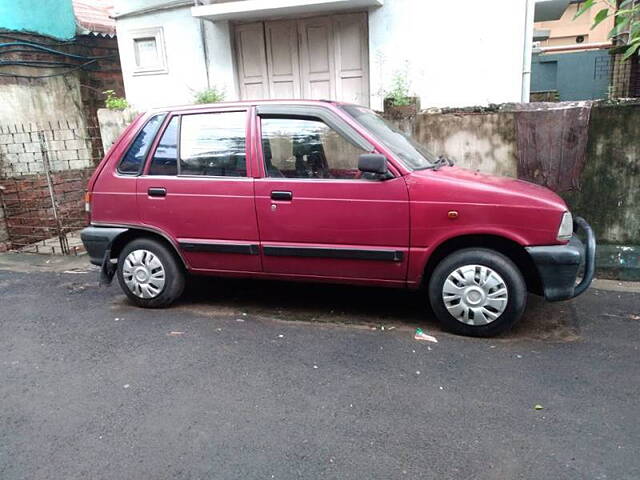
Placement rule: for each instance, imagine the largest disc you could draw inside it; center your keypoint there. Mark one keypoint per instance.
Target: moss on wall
(609, 193)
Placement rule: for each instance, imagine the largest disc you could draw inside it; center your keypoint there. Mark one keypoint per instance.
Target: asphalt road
(263, 380)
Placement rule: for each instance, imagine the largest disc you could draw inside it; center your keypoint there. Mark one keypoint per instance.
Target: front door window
(305, 148)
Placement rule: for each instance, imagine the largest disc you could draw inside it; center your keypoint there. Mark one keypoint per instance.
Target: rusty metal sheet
(552, 144)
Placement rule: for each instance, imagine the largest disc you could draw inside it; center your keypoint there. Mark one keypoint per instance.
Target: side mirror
(373, 163)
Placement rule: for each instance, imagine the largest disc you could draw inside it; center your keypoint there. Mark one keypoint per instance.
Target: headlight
(566, 227)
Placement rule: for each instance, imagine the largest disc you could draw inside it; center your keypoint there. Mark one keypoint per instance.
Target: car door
(196, 189)
(317, 215)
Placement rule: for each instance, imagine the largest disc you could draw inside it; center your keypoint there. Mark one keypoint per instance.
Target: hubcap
(475, 294)
(143, 274)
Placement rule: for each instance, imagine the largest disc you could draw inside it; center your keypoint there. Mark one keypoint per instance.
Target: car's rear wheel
(477, 292)
(149, 273)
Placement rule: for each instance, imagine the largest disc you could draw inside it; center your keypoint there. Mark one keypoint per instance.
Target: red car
(330, 192)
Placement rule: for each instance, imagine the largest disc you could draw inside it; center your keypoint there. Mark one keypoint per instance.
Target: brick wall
(66, 142)
(27, 213)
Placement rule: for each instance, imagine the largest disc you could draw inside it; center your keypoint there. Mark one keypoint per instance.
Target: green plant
(210, 95)
(114, 102)
(399, 93)
(627, 21)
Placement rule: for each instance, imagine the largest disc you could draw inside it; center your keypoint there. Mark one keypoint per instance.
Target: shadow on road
(363, 306)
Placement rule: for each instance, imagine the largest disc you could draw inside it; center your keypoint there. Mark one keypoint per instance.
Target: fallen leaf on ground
(538, 407)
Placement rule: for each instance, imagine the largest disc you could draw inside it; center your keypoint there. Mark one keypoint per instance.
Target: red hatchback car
(323, 191)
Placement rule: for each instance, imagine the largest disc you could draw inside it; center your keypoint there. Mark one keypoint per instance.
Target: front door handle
(276, 195)
(157, 192)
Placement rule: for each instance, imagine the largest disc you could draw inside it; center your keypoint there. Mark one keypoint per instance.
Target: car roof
(246, 103)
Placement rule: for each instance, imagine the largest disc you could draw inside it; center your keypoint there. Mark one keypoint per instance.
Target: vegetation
(114, 102)
(399, 93)
(210, 95)
(627, 21)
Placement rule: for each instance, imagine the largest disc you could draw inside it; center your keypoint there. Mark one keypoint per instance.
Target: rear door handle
(275, 195)
(157, 192)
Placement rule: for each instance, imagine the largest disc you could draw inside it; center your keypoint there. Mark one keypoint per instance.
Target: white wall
(220, 52)
(186, 72)
(455, 53)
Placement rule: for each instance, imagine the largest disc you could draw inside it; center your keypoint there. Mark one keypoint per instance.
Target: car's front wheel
(149, 273)
(477, 292)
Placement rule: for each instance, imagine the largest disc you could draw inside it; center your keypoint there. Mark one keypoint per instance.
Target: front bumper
(558, 265)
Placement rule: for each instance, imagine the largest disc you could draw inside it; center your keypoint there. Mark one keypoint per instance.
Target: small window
(165, 158)
(305, 148)
(213, 144)
(134, 158)
(148, 51)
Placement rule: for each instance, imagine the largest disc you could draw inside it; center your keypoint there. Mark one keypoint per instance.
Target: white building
(466, 52)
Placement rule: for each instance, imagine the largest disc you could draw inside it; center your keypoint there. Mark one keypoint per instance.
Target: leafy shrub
(114, 102)
(399, 93)
(210, 95)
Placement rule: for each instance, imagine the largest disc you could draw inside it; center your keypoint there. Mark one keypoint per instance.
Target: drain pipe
(529, 15)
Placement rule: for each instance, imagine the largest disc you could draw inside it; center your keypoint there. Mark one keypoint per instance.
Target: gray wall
(606, 189)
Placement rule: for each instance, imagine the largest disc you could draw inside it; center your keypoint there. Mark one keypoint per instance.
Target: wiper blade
(442, 161)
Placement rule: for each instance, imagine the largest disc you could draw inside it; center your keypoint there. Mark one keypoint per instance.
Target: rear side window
(165, 158)
(133, 160)
(213, 144)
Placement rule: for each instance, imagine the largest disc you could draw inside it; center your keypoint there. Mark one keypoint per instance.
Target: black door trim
(344, 253)
(241, 248)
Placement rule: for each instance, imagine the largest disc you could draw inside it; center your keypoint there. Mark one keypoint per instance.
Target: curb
(618, 262)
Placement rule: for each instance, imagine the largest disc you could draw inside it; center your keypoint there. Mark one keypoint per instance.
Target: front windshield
(410, 152)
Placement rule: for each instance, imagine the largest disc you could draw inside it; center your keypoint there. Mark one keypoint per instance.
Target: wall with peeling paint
(484, 142)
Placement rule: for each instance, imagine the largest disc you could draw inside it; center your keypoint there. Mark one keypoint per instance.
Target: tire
(485, 293)
(150, 289)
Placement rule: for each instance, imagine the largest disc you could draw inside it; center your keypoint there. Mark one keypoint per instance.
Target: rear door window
(132, 162)
(165, 158)
(213, 144)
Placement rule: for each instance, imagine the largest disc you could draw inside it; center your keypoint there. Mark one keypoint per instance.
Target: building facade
(571, 60)
(348, 50)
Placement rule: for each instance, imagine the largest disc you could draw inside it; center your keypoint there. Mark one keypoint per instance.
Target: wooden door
(317, 55)
(251, 61)
(352, 58)
(316, 58)
(283, 65)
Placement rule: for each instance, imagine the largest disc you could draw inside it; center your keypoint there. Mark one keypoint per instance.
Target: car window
(165, 158)
(133, 160)
(213, 144)
(307, 148)
(410, 152)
